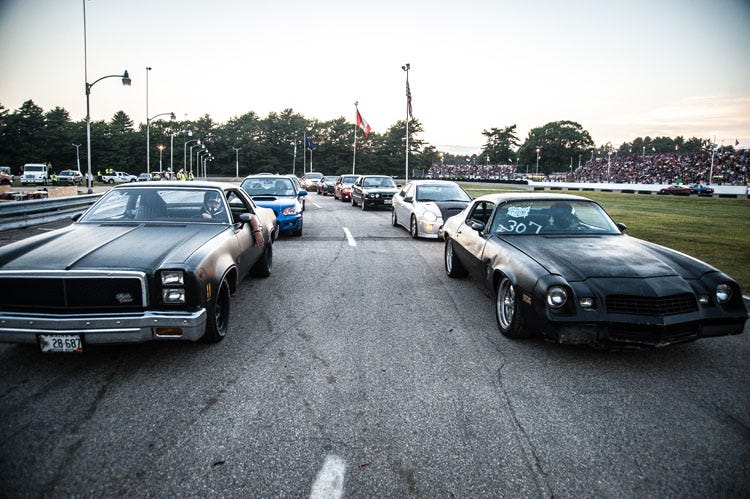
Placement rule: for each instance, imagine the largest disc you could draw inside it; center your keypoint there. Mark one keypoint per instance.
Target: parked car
(144, 177)
(70, 177)
(561, 268)
(118, 177)
(278, 193)
(310, 180)
(371, 191)
(702, 189)
(422, 206)
(327, 185)
(677, 190)
(343, 188)
(6, 176)
(141, 264)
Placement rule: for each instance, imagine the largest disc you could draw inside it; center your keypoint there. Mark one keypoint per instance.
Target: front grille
(652, 335)
(651, 306)
(73, 293)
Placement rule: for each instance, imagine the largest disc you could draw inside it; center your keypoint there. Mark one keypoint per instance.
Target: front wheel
(413, 228)
(262, 267)
(508, 311)
(394, 218)
(354, 203)
(217, 321)
(453, 267)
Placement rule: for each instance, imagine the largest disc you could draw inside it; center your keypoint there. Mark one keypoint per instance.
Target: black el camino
(148, 261)
(559, 267)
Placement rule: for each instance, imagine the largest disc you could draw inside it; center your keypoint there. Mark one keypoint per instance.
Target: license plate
(60, 343)
(386, 201)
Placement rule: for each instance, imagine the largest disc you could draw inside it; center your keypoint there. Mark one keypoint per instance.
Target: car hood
(275, 202)
(446, 208)
(577, 258)
(97, 246)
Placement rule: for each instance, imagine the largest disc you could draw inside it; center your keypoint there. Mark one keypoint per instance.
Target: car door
(249, 253)
(357, 190)
(472, 236)
(401, 203)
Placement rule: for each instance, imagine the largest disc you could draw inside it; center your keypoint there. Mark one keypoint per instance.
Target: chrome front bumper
(119, 328)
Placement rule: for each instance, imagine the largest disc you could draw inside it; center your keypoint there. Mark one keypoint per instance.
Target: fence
(18, 214)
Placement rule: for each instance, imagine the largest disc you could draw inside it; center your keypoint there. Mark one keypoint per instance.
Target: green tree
(556, 144)
(501, 144)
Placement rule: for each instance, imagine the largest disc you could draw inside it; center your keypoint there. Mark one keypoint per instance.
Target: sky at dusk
(620, 69)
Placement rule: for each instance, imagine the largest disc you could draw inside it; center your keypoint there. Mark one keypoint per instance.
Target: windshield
(160, 205)
(441, 192)
(386, 182)
(350, 179)
(33, 168)
(545, 216)
(269, 186)
(314, 176)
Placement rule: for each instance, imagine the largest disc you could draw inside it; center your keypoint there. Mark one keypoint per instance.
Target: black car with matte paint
(559, 267)
(148, 261)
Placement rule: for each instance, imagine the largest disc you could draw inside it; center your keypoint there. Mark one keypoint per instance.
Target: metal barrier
(18, 214)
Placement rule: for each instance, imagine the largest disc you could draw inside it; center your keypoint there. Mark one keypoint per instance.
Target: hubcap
(506, 303)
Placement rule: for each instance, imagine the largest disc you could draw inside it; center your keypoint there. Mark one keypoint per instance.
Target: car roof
(529, 196)
(200, 184)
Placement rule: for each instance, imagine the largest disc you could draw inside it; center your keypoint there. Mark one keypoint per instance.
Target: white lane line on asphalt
(329, 483)
(349, 237)
(316, 204)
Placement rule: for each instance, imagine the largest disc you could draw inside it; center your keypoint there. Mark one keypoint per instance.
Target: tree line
(275, 144)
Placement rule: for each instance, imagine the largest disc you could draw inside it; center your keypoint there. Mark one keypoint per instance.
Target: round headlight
(429, 216)
(557, 296)
(723, 292)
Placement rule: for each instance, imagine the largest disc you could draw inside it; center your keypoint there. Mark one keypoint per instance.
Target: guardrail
(18, 214)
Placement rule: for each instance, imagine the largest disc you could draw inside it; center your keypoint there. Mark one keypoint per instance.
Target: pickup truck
(119, 177)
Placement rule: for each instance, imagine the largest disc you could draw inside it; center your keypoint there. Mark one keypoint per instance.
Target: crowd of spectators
(730, 167)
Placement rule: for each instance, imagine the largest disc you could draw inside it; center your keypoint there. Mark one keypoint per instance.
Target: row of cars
(557, 265)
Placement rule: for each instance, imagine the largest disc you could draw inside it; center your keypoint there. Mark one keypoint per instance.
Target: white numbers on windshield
(519, 227)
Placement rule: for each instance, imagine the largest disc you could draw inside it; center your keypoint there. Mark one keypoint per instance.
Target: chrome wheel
(506, 304)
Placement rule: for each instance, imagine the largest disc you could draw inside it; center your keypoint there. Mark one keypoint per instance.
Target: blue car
(278, 193)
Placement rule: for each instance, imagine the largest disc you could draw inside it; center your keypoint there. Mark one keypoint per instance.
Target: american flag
(408, 99)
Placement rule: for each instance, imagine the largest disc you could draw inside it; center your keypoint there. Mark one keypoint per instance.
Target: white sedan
(422, 206)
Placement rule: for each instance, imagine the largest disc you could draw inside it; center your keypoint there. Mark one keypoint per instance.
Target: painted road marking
(329, 483)
(349, 237)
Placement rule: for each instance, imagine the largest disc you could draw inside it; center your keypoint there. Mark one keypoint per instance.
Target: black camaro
(560, 267)
(148, 261)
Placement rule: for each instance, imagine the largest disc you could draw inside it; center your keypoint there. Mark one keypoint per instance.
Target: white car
(422, 206)
(119, 177)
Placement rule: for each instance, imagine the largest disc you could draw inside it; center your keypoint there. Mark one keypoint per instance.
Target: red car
(343, 188)
(677, 190)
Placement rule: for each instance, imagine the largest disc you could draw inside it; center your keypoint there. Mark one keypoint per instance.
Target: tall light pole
(406, 68)
(148, 135)
(191, 152)
(537, 160)
(161, 149)
(237, 161)
(78, 156)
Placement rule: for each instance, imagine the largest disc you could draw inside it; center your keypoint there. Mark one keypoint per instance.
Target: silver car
(422, 206)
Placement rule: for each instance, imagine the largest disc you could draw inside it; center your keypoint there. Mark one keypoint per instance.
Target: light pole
(537, 160)
(78, 157)
(191, 151)
(237, 161)
(125, 81)
(148, 137)
(161, 149)
(406, 68)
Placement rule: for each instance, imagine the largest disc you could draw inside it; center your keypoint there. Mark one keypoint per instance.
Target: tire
(264, 265)
(354, 203)
(364, 204)
(111, 181)
(413, 228)
(453, 267)
(217, 321)
(508, 311)
(394, 218)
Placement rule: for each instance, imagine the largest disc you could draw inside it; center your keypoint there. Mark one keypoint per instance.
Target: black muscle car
(148, 261)
(559, 267)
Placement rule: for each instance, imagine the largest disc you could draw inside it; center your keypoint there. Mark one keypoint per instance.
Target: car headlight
(291, 210)
(173, 295)
(723, 292)
(172, 278)
(429, 216)
(557, 296)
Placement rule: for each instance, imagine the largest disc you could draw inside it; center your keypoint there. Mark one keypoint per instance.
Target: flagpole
(354, 157)
(304, 153)
(406, 68)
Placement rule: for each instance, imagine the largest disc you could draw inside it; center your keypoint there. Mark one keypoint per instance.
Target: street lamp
(161, 149)
(406, 68)
(148, 135)
(125, 81)
(191, 151)
(537, 160)
(237, 161)
(78, 157)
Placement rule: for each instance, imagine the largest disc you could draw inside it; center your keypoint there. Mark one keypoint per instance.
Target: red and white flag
(363, 124)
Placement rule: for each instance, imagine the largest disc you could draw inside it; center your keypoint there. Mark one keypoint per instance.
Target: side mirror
(245, 218)
(302, 193)
(621, 226)
(408, 199)
(476, 225)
